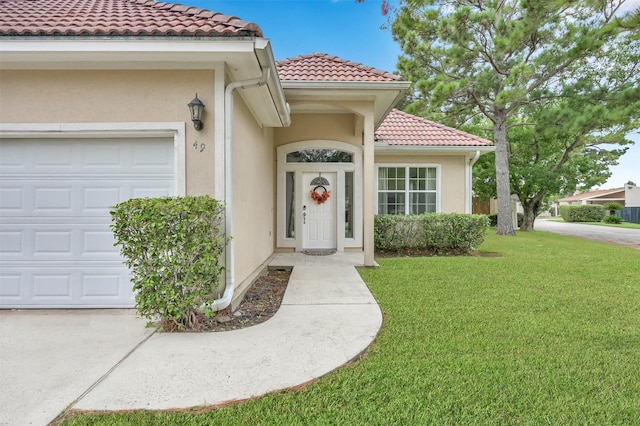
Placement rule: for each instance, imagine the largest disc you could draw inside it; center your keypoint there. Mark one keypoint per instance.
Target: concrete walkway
(328, 317)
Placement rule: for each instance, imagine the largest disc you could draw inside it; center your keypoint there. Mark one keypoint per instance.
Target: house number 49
(201, 147)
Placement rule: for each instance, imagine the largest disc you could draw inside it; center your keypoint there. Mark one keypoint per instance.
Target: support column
(368, 196)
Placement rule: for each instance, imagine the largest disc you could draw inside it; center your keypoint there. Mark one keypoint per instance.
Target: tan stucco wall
(335, 127)
(254, 191)
(452, 176)
(117, 96)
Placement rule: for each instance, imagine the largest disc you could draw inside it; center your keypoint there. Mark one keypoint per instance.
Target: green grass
(548, 333)
(615, 225)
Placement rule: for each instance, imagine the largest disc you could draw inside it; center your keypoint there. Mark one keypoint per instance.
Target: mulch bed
(260, 303)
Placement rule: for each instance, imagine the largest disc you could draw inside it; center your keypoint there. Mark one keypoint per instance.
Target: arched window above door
(319, 156)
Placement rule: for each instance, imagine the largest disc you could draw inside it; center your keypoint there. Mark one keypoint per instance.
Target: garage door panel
(10, 286)
(56, 246)
(10, 199)
(152, 157)
(68, 197)
(62, 286)
(86, 156)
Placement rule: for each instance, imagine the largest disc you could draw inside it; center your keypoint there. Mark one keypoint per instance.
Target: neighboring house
(599, 196)
(631, 195)
(93, 111)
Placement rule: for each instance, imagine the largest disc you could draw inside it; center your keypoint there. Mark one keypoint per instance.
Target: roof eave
(346, 85)
(431, 149)
(272, 92)
(385, 94)
(124, 52)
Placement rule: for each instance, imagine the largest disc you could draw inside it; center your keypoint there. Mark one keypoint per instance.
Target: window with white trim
(407, 190)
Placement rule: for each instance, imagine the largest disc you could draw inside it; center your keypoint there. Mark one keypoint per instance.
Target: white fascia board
(434, 150)
(122, 53)
(346, 85)
(125, 45)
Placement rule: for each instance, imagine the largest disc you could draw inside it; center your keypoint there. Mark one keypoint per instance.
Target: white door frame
(337, 191)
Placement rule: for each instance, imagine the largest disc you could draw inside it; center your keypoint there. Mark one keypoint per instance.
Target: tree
(570, 142)
(496, 58)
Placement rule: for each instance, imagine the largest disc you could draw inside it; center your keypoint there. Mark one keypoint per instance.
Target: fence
(630, 214)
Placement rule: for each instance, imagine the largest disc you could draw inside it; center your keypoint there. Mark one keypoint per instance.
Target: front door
(319, 214)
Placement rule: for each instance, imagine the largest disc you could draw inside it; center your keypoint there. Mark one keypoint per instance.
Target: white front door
(319, 218)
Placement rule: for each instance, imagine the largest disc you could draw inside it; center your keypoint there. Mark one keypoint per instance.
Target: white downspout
(472, 161)
(230, 276)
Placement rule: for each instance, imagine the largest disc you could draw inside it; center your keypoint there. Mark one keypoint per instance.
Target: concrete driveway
(50, 358)
(608, 234)
(108, 360)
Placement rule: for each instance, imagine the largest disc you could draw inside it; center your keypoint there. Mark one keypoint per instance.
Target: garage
(56, 248)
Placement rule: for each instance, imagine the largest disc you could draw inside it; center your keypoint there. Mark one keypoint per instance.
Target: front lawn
(628, 225)
(548, 333)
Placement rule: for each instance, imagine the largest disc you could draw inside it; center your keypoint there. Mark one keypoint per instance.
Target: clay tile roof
(401, 128)
(116, 18)
(323, 67)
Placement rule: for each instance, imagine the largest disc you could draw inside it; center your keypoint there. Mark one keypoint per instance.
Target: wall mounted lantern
(196, 108)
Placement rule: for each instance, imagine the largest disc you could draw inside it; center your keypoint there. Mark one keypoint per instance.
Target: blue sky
(351, 31)
(343, 28)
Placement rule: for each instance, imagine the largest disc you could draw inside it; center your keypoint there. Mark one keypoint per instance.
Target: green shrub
(612, 219)
(439, 233)
(582, 213)
(612, 207)
(172, 247)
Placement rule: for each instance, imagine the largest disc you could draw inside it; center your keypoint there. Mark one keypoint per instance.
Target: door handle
(304, 218)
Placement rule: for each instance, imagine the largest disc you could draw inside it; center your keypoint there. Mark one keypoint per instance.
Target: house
(598, 196)
(93, 111)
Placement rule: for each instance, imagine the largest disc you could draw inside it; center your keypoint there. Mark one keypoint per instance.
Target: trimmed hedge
(440, 233)
(582, 213)
(172, 246)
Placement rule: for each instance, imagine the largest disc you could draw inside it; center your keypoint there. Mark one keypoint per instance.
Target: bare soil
(260, 303)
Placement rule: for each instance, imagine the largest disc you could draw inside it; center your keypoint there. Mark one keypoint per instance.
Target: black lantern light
(196, 108)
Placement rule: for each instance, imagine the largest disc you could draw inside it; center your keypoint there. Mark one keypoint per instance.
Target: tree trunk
(531, 209)
(530, 213)
(505, 223)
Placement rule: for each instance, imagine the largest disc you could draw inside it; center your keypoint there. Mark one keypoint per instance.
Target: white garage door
(56, 248)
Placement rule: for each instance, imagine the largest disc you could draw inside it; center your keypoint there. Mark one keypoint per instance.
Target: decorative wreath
(320, 197)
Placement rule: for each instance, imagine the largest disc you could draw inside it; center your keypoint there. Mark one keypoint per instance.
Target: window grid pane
(397, 185)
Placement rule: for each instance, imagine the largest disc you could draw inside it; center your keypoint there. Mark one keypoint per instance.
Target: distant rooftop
(592, 194)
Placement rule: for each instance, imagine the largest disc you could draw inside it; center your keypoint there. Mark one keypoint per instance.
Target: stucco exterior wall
(632, 196)
(30, 96)
(452, 176)
(254, 191)
(335, 127)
